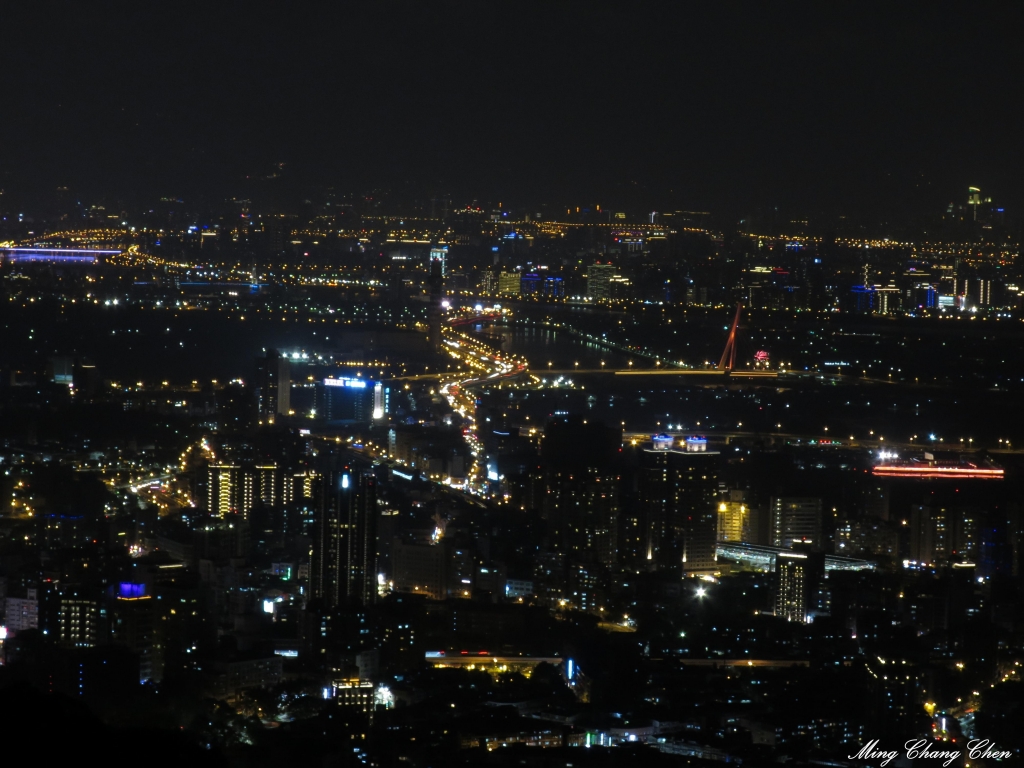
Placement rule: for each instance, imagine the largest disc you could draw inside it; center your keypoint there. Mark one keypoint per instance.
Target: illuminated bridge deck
(485, 662)
(695, 372)
(778, 663)
(72, 255)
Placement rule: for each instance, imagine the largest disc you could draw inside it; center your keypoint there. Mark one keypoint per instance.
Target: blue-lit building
(531, 284)
(663, 442)
(554, 288)
(348, 401)
(883, 299)
(696, 443)
(439, 256)
(864, 298)
(133, 624)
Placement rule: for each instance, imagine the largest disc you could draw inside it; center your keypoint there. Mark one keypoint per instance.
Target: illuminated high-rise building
(679, 490)
(78, 619)
(791, 586)
(581, 498)
(297, 486)
(489, 282)
(133, 624)
(273, 385)
(22, 612)
(509, 283)
(355, 694)
(599, 277)
(582, 508)
(348, 400)
(435, 287)
(974, 200)
(734, 520)
(531, 284)
(799, 593)
(379, 401)
(984, 293)
(237, 489)
(343, 568)
(931, 534)
(262, 484)
(887, 299)
(439, 256)
(794, 520)
(224, 489)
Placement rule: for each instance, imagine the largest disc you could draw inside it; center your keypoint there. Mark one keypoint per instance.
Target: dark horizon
(731, 109)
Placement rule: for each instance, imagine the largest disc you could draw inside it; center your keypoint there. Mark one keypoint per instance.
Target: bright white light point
(701, 591)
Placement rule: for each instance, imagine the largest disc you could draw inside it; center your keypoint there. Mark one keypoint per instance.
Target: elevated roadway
(709, 373)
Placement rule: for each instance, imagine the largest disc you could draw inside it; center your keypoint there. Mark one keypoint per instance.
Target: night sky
(811, 107)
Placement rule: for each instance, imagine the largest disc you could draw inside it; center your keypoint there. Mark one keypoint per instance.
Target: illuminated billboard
(355, 383)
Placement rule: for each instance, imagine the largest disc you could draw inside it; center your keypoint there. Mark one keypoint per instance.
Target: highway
(711, 373)
(488, 366)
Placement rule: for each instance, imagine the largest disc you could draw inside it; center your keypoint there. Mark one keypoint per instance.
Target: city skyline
(559, 385)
